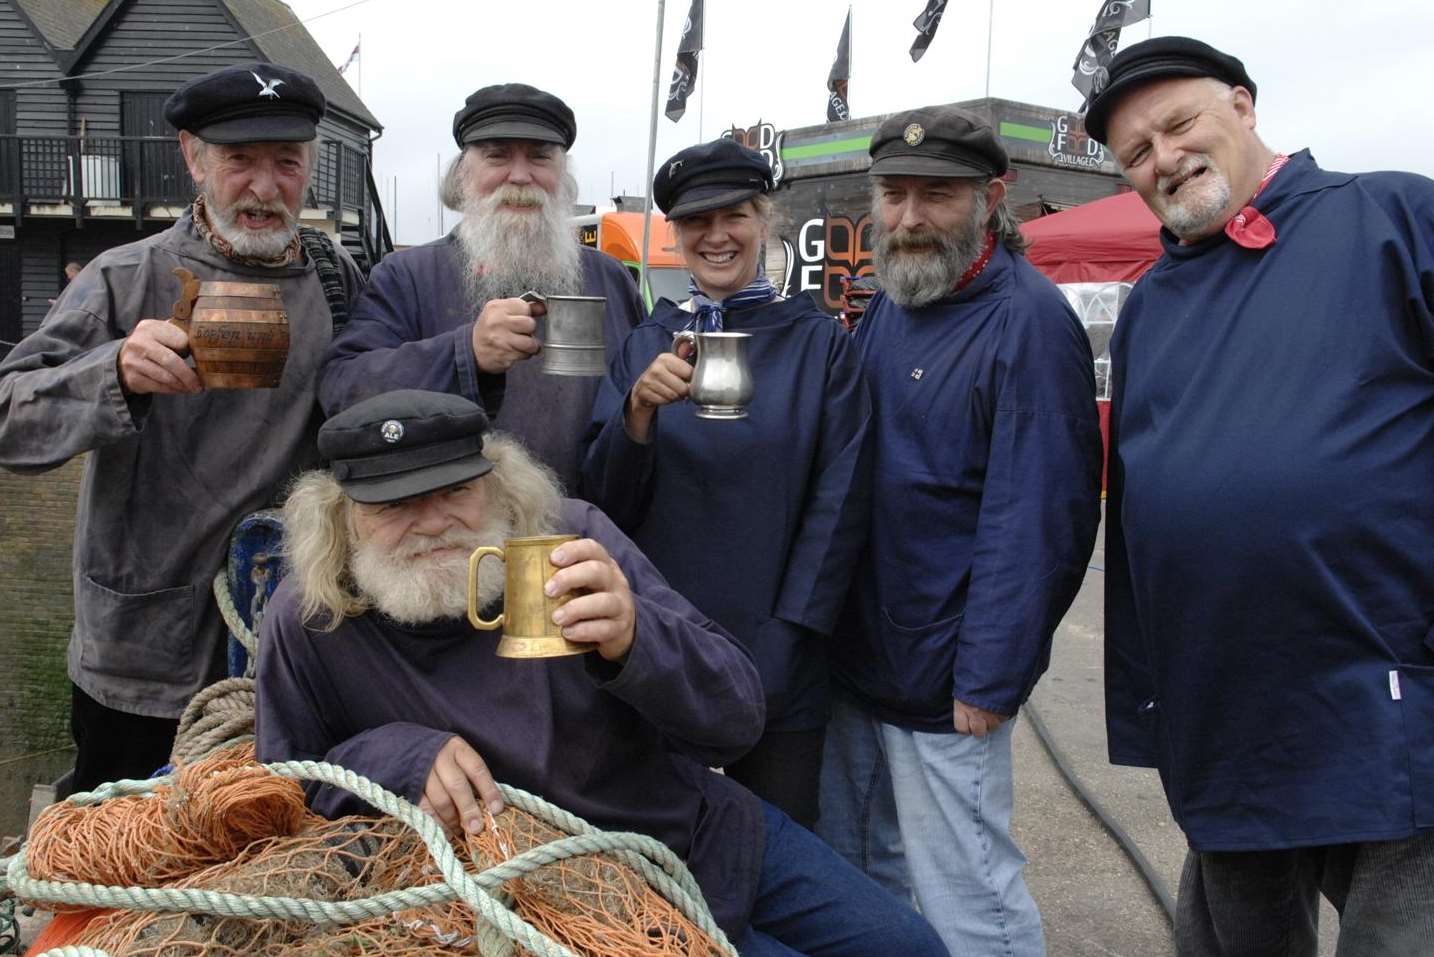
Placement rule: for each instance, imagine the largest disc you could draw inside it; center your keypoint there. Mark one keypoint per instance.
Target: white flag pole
(990, 26)
(651, 156)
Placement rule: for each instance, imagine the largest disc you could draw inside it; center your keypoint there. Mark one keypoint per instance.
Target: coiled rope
(498, 928)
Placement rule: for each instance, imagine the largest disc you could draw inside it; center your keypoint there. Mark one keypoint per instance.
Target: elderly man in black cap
(986, 499)
(366, 660)
(1270, 536)
(173, 467)
(447, 316)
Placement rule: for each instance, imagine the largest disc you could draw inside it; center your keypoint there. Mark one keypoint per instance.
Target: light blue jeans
(928, 816)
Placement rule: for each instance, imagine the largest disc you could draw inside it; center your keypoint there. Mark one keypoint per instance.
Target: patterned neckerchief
(1249, 227)
(293, 253)
(708, 313)
(979, 266)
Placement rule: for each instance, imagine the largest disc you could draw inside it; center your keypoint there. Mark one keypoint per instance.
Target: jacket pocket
(149, 635)
(920, 658)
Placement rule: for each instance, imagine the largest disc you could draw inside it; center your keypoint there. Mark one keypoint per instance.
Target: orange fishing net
(215, 808)
(593, 904)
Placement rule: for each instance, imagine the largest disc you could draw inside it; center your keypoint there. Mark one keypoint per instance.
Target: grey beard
(413, 590)
(506, 253)
(916, 278)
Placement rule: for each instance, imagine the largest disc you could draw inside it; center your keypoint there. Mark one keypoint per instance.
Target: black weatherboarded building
(87, 161)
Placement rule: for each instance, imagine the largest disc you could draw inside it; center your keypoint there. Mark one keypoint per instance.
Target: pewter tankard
(722, 382)
(572, 335)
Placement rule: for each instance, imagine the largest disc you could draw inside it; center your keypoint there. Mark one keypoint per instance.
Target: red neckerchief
(969, 276)
(1250, 228)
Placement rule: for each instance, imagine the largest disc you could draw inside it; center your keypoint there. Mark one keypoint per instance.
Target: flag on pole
(926, 25)
(684, 72)
(1092, 63)
(352, 57)
(838, 106)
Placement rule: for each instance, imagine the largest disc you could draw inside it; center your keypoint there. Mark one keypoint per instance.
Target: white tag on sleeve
(1394, 685)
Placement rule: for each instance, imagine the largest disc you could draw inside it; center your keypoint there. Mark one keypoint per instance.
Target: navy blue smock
(757, 521)
(413, 329)
(625, 747)
(986, 497)
(1270, 534)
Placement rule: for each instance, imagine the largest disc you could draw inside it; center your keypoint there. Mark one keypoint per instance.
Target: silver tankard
(572, 334)
(722, 382)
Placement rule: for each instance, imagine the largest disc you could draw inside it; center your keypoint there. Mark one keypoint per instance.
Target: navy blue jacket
(986, 497)
(413, 329)
(625, 747)
(1270, 536)
(758, 522)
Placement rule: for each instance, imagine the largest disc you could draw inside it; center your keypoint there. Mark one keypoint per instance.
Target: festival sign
(826, 249)
(1071, 145)
(765, 139)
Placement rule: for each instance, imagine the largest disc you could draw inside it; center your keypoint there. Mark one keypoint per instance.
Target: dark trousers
(112, 745)
(1266, 903)
(785, 769)
(811, 902)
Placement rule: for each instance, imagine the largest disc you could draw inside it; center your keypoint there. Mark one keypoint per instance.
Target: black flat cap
(937, 141)
(1154, 60)
(710, 176)
(405, 443)
(514, 111)
(249, 103)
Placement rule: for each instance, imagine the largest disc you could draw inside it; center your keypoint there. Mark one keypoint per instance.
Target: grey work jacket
(167, 476)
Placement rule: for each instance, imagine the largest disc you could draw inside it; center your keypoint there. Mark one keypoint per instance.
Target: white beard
(1199, 204)
(253, 244)
(506, 253)
(413, 589)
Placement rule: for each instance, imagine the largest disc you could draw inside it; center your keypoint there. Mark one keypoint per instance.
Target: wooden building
(87, 161)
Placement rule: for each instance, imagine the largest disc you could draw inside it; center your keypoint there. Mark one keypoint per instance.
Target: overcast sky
(1350, 80)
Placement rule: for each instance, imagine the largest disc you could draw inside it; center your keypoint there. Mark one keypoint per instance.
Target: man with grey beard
(986, 502)
(172, 467)
(447, 316)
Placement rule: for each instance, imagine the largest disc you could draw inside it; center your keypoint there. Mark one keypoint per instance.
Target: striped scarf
(708, 313)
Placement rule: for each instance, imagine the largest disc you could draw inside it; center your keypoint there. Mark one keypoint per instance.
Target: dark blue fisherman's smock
(626, 747)
(758, 521)
(986, 497)
(414, 330)
(1270, 543)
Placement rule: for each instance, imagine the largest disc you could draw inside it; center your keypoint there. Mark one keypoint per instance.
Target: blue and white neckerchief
(708, 313)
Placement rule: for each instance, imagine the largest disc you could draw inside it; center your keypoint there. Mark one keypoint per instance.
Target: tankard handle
(686, 335)
(184, 305)
(474, 560)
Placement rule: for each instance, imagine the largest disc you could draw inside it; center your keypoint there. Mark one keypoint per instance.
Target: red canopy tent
(1109, 240)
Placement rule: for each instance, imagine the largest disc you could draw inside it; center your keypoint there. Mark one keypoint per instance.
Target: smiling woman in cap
(757, 521)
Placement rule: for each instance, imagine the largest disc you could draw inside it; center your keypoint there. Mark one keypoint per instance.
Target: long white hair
(319, 541)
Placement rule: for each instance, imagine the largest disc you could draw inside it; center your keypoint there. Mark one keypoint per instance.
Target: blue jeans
(928, 816)
(810, 901)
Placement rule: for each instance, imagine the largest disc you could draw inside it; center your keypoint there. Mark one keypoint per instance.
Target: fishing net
(198, 835)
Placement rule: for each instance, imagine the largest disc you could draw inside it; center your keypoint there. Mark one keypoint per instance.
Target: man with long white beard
(172, 467)
(1269, 610)
(985, 505)
(366, 660)
(447, 316)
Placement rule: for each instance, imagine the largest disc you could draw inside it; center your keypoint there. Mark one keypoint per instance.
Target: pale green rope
(231, 617)
(498, 927)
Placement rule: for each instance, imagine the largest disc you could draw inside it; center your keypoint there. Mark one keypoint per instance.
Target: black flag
(926, 25)
(684, 72)
(838, 107)
(1093, 62)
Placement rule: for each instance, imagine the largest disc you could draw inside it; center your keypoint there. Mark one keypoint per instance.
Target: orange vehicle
(620, 236)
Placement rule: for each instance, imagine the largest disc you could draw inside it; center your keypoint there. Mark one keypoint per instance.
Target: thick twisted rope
(498, 927)
(219, 715)
(232, 619)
